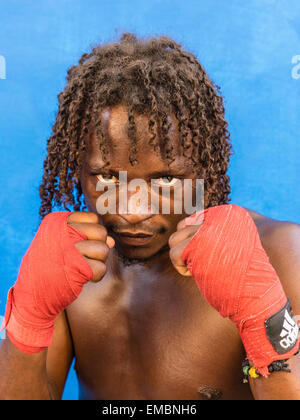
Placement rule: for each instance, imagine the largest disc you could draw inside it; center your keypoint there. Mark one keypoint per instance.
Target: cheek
(88, 186)
(173, 222)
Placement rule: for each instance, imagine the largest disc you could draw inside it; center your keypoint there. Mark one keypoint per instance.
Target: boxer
(150, 306)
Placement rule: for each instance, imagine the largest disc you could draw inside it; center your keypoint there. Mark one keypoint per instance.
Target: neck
(158, 266)
(156, 262)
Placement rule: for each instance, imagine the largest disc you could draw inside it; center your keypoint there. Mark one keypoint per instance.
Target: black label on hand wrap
(282, 329)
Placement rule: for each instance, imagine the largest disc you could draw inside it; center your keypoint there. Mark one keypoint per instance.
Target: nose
(138, 207)
(135, 218)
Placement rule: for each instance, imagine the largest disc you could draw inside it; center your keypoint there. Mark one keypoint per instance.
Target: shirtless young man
(122, 290)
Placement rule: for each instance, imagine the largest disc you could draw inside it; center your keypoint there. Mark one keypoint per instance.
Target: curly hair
(149, 76)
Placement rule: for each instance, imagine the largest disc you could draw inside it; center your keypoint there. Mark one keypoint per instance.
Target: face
(141, 234)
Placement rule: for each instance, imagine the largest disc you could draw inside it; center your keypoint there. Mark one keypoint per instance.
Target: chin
(136, 252)
(138, 255)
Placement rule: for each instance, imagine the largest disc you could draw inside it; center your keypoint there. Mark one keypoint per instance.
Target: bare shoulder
(281, 241)
(277, 234)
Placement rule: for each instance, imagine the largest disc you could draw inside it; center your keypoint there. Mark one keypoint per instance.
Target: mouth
(134, 238)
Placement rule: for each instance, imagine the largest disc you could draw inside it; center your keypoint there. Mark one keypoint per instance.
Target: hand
(68, 250)
(226, 259)
(96, 248)
(178, 242)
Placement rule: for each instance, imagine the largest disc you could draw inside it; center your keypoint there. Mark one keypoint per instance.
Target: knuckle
(95, 231)
(79, 245)
(91, 216)
(102, 268)
(73, 217)
(97, 250)
(181, 224)
(172, 240)
(82, 217)
(99, 270)
(173, 254)
(103, 250)
(102, 231)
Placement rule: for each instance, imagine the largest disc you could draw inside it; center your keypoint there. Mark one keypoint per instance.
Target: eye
(167, 181)
(107, 179)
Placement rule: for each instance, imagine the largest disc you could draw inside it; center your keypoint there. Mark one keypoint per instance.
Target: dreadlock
(154, 77)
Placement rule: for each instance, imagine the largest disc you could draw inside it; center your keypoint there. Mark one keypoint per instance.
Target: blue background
(246, 47)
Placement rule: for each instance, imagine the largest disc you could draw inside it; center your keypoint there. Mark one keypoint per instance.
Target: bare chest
(152, 342)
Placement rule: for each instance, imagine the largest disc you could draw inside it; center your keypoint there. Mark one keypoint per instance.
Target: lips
(134, 238)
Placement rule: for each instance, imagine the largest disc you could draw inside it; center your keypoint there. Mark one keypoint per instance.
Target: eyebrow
(154, 174)
(96, 167)
(167, 172)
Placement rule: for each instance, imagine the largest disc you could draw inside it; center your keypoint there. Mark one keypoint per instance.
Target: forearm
(279, 385)
(23, 376)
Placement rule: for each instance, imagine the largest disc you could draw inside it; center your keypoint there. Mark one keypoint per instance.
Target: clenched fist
(68, 250)
(225, 257)
(96, 247)
(180, 239)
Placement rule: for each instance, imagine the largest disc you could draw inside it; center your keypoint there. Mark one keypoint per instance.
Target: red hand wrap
(51, 277)
(233, 272)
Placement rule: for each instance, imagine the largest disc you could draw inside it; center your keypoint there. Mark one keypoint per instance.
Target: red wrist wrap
(50, 278)
(234, 274)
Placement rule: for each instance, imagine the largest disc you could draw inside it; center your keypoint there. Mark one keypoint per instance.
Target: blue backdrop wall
(251, 49)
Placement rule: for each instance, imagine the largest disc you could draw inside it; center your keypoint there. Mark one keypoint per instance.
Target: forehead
(114, 122)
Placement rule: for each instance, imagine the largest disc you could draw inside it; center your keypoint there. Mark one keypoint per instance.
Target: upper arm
(282, 245)
(281, 242)
(59, 356)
